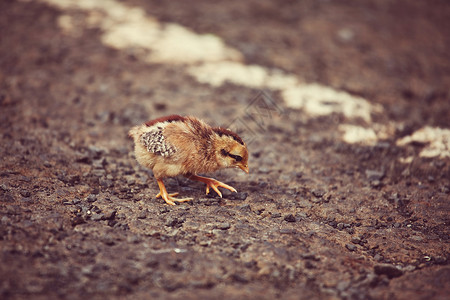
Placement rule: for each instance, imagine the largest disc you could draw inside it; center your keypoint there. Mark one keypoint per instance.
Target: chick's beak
(244, 168)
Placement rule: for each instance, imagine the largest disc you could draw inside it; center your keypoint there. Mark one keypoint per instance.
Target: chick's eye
(236, 157)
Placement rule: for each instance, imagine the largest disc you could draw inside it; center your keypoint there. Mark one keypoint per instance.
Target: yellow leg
(169, 198)
(212, 183)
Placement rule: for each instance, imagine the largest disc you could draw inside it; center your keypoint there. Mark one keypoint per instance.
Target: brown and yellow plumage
(176, 145)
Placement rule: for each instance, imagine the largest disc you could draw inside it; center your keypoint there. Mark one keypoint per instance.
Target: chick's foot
(212, 183)
(169, 198)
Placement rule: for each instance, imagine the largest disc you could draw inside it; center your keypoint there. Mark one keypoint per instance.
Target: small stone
(409, 268)
(108, 240)
(223, 226)
(110, 214)
(97, 217)
(106, 183)
(264, 170)
(142, 215)
(290, 218)
(356, 240)
(135, 239)
(286, 177)
(309, 265)
(98, 172)
(240, 278)
(84, 159)
(174, 222)
(310, 255)
(227, 194)
(378, 257)
(390, 271)
(77, 220)
(91, 198)
(373, 175)
(416, 238)
(445, 189)
(316, 200)
(342, 286)
(326, 197)
(241, 196)
(304, 204)
(318, 193)
(350, 247)
(25, 193)
(340, 226)
(276, 215)
(440, 260)
(375, 183)
(99, 164)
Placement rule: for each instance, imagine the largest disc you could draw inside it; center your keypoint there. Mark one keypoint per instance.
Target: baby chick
(176, 145)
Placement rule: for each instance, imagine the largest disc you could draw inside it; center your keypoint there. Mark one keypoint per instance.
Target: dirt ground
(318, 217)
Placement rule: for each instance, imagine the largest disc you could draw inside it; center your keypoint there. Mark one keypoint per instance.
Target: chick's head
(232, 154)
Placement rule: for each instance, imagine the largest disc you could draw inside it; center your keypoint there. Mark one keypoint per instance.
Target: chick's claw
(214, 184)
(169, 198)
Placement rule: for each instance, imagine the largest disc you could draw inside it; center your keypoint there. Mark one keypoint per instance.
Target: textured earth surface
(321, 215)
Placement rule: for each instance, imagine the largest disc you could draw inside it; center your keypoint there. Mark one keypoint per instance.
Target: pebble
(310, 255)
(77, 220)
(99, 164)
(241, 196)
(264, 170)
(174, 222)
(97, 217)
(223, 226)
(304, 204)
(227, 194)
(108, 240)
(276, 215)
(318, 193)
(106, 183)
(390, 271)
(350, 247)
(375, 183)
(378, 257)
(91, 198)
(374, 175)
(356, 240)
(142, 215)
(110, 214)
(290, 218)
(416, 238)
(98, 172)
(25, 193)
